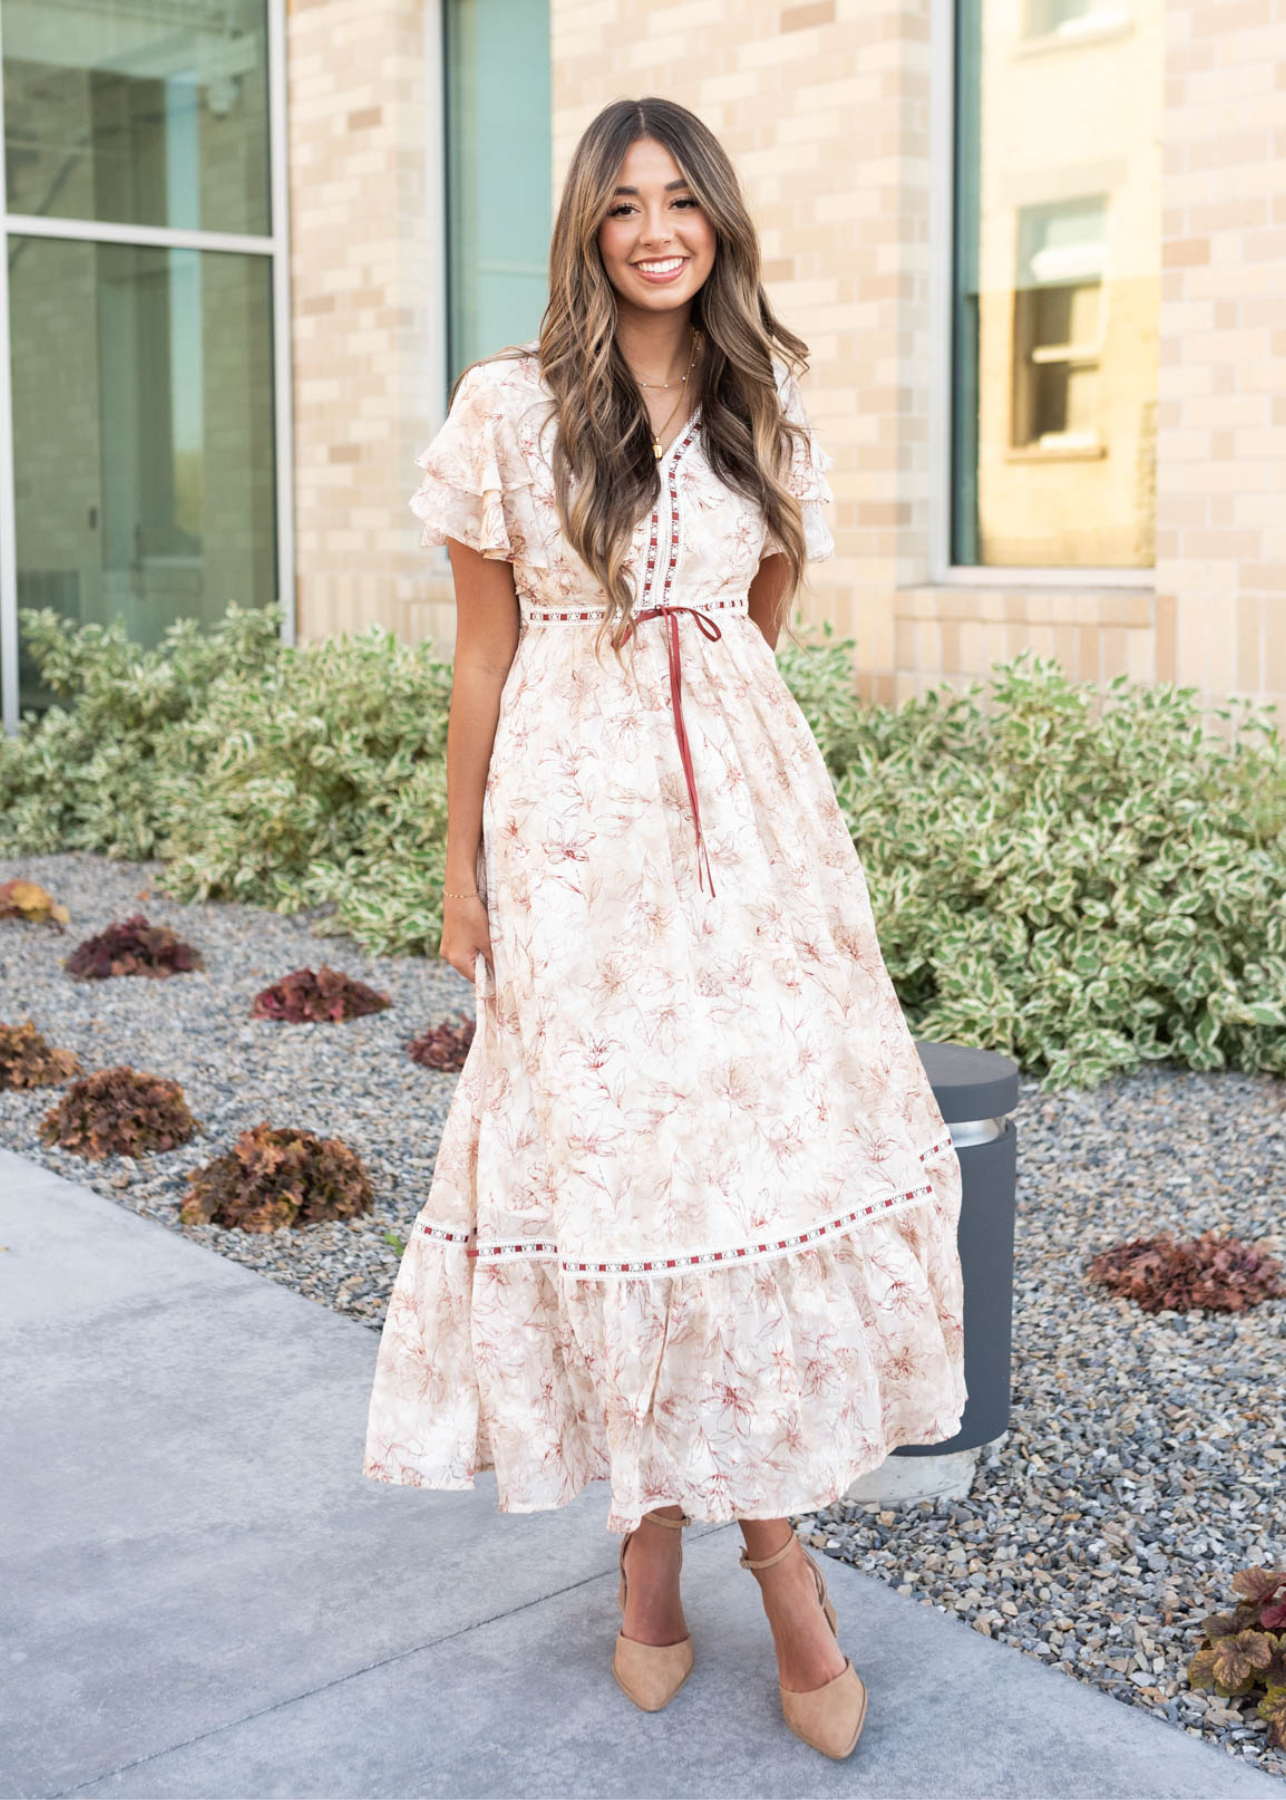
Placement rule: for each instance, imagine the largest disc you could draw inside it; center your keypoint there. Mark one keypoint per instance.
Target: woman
(692, 1224)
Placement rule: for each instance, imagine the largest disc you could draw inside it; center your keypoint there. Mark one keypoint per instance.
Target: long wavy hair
(605, 470)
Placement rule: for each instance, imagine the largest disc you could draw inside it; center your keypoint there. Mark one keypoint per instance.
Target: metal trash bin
(977, 1091)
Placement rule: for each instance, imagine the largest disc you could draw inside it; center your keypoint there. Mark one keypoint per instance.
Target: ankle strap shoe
(828, 1718)
(651, 1674)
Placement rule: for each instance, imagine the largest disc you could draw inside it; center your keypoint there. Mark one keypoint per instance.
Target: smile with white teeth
(662, 268)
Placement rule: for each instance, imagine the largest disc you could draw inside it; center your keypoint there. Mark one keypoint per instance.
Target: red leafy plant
(1244, 1650)
(443, 1046)
(1222, 1274)
(27, 1060)
(119, 1112)
(132, 947)
(277, 1177)
(326, 995)
(21, 899)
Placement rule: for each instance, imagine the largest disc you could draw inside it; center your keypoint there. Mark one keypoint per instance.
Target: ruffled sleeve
(806, 478)
(476, 485)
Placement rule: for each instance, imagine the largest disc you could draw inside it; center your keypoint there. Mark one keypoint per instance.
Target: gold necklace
(657, 449)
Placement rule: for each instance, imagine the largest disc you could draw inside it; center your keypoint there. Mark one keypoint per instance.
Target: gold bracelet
(460, 894)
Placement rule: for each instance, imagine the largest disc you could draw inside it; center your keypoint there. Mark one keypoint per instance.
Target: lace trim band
(540, 616)
(496, 1250)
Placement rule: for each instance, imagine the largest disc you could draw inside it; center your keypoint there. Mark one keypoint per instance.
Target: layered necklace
(657, 448)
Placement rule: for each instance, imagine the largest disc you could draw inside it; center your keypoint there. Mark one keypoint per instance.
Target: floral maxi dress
(692, 1225)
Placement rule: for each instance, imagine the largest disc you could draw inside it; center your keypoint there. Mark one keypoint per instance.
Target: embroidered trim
(538, 1249)
(523, 1247)
(747, 1252)
(442, 1235)
(649, 568)
(674, 518)
(738, 605)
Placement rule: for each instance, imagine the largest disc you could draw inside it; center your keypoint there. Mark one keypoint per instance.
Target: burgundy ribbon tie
(711, 631)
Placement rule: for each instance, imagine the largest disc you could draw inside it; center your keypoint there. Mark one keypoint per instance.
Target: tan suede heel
(651, 1674)
(828, 1718)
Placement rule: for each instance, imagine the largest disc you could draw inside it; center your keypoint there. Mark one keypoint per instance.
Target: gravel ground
(1145, 1456)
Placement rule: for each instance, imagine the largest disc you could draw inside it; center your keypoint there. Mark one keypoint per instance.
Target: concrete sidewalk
(204, 1597)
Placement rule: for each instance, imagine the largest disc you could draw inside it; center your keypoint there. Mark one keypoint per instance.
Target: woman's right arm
(487, 620)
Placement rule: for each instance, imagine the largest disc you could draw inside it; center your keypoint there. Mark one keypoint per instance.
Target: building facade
(1037, 249)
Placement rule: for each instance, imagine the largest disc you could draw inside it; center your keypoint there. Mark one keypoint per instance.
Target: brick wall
(1221, 484)
(366, 344)
(824, 107)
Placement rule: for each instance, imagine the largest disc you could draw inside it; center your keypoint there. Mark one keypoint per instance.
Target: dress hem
(622, 1522)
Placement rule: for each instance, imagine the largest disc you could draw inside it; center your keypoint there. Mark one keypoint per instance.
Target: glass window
(1071, 16)
(1057, 283)
(1058, 325)
(499, 184)
(142, 419)
(138, 114)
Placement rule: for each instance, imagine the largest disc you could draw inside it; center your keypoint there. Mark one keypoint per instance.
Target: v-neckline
(688, 425)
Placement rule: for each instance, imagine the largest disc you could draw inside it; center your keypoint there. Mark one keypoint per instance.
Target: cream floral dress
(692, 1225)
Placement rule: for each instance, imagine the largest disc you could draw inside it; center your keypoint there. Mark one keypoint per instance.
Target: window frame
(275, 247)
(944, 201)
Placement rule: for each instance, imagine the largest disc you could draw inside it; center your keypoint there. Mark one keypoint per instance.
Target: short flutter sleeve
(806, 478)
(477, 485)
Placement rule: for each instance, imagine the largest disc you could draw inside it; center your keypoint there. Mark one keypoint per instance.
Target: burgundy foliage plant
(326, 995)
(119, 1112)
(443, 1046)
(1245, 1650)
(132, 947)
(28, 1061)
(1222, 1274)
(274, 1178)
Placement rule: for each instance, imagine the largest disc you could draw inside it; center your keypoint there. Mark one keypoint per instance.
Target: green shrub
(282, 777)
(324, 784)
(103, 768)
(1084, 880)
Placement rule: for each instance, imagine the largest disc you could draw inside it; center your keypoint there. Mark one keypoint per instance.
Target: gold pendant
(657, 450)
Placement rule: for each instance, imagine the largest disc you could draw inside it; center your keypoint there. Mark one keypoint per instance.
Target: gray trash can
(977, 1091)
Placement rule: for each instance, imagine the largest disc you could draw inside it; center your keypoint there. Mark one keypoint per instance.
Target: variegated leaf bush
(103, 766)
(1085, 879)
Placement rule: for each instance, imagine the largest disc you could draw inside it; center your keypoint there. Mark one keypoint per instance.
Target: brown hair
(604, 437)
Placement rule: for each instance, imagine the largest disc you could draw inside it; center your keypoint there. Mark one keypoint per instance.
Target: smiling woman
(691, 1229)
(656, 236)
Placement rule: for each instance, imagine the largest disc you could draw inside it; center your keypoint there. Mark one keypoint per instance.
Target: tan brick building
(1037, 248)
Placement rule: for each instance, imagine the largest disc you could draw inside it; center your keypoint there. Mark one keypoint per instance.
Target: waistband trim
(544, 616)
